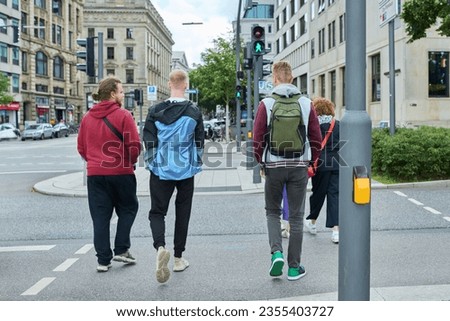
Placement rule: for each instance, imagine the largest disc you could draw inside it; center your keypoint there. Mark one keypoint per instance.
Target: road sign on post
(388, 11)
(152, 93)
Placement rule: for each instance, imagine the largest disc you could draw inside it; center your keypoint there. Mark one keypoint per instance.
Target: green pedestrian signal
(258, 42)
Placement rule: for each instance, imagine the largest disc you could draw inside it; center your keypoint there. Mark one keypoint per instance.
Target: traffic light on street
(238, 91)
(16, 34)
(258, 42)
(88, 55)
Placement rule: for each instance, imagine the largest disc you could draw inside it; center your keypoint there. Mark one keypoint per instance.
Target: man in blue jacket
(174, 138)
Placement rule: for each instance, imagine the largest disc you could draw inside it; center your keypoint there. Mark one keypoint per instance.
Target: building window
(40, 31)
(313, 48)
(41, 64)
(302, 25)
(130, 53)
(129, 33)
(331, 35)
(129, 76)
(321, 7)
(376, 79)
(343, 85)
(15, 4)
(24, 62)
(342, 28)
(110, 52)
(302, 3)
(333, 86)
(110, 72)
(321, 41)
(58, 68)
(304, 84)
(91, 32)
(57, 7)
(3, 53)
(438, 80)
(69, 41)
(313, 10)
(40, 3)
(110, 33)
(41, 88)
(15, 83)
(15, 56)
(292, 32)
(322, 85)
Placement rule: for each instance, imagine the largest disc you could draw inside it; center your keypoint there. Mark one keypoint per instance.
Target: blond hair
(105, 88)
(323, 106)
(178, 78)
(282, 70)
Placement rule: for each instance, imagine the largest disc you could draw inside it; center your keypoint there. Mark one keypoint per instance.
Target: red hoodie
(104, 152)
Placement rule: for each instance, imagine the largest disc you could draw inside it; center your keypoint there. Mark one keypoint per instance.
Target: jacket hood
(103, 109)
(172, 112)
(286, 90)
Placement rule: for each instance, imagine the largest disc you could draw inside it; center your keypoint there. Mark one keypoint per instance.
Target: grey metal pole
(238, 82)
(249, 124)
(355, 135)
(100, 56)
(257, 70)
(391, 78)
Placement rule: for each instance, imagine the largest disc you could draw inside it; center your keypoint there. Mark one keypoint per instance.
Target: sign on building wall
(152, 93)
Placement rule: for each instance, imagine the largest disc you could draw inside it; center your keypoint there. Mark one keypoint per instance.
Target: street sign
(191, 91)
(388, 10)
(265, 87)
(152, 93)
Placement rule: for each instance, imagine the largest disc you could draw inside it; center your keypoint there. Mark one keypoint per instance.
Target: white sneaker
(335, 237)
(180, 264)
(103, 268)
(162, 259)
(311, 227)
(285, 233)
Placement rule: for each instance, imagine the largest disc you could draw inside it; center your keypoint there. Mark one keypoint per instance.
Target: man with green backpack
(287, 139)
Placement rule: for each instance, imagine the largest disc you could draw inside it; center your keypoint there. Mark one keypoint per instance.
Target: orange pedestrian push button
(361, 185)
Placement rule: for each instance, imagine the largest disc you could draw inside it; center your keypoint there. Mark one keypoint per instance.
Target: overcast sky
(216, 15)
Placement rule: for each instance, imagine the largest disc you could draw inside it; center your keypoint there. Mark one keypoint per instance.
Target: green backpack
(287, 131)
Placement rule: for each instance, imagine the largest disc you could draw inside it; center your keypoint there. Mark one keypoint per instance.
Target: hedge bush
(410, 155)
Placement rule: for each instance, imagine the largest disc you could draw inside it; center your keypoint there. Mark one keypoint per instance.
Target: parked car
(60, 130)
(38, 131)
(11, 126)
(7, 132)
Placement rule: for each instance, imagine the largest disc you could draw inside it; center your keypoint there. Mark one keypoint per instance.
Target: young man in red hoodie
(109, 142)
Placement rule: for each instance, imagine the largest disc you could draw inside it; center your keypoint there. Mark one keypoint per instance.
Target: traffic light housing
(139, 96)
(239, 91)
(16, 34)
(258, 41)
(88, 55)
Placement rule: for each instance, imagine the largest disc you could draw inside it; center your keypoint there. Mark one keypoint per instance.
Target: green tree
(215, 77)
(4, 89)
(419, 15)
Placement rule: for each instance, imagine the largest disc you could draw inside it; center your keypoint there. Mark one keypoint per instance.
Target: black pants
(106, 193)
(160, 193)
(325, 184)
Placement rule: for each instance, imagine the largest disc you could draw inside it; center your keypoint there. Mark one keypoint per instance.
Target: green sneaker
(276, 269)
(296, 273)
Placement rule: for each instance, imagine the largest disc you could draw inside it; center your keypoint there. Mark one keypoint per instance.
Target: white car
(7, 131)
(38, 131)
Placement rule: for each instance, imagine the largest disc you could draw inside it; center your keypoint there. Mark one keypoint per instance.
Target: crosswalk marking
(26, 248)
(39, 286)
(86, 248)
(65, 265)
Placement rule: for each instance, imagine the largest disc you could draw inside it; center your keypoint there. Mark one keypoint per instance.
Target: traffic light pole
(249, 124)
(238, 82)
(100, 56)
(355, 152)
(256, 73)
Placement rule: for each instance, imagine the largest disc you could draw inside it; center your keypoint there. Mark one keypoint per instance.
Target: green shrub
(412, 154)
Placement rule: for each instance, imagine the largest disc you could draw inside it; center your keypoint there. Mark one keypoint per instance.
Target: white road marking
(415, 201)
(65, 265)
(39, 286)
(32, 172)
(432, 210)
(86, 248)
(400, 193)
(446, 218)
(26, 248)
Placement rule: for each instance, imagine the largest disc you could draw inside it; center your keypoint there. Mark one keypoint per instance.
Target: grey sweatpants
(295, 180)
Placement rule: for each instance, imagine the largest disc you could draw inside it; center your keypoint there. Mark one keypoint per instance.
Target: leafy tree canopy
(215, 77)
(419, 15)
(4, 89)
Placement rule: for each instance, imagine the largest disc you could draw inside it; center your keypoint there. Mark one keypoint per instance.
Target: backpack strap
(113, 129)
